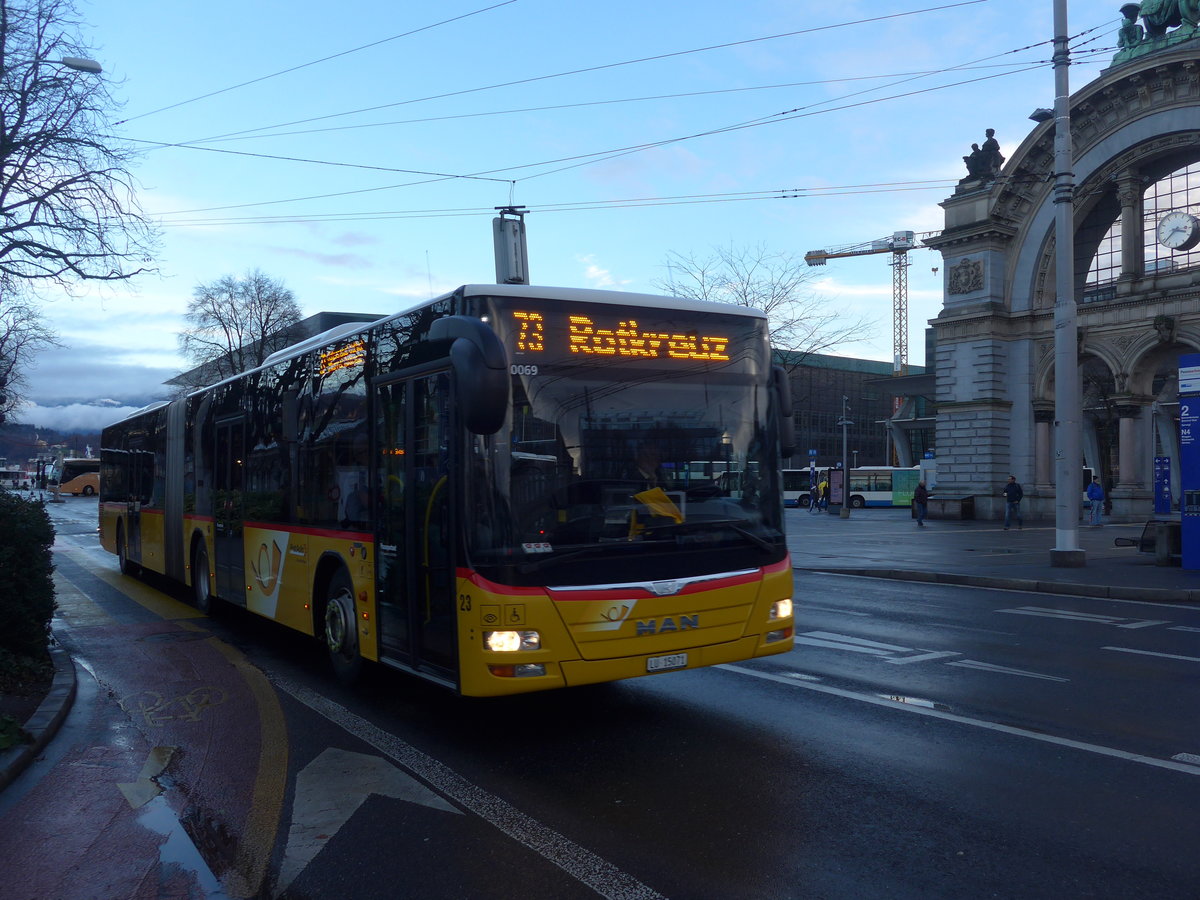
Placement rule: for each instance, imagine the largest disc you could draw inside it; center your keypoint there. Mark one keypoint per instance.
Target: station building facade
(1136, 137)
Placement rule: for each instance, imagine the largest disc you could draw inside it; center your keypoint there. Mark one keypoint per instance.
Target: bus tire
(88, 490)
(857, 502)
(341, 629)
(202, 596)
(126, 565)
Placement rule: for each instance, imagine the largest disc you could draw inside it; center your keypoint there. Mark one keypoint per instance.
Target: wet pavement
(886, 543)
(73, 807)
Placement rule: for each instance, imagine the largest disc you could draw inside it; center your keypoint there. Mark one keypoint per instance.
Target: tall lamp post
(1068, 391)
(844, 421)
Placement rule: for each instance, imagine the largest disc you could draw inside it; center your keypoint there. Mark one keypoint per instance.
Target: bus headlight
(511, 641)
(781, 609)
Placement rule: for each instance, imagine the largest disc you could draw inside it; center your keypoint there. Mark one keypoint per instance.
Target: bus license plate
(662, 663)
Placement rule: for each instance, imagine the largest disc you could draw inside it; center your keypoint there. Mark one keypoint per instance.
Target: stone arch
(1131, 127)
(1150, 353)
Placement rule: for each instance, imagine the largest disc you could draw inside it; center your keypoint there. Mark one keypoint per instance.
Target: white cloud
(599, 277)
(73, 416)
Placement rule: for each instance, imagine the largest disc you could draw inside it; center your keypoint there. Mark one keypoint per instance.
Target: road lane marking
(1097, 749)
(1153, 653)
(586, 867)
(922, 657)
(1062, 614)
(846, 642)
(1145, 623)
(1002, 670)
(329, 791)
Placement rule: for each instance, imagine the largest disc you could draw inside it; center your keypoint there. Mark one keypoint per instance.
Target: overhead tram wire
(315, 62)
(601, 156)
(803, 112)
(580, 206)
(579, 160)
(585, 104)
(598, 68)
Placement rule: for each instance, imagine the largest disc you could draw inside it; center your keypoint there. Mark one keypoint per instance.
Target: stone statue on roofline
(983, 163)
(1153, 35)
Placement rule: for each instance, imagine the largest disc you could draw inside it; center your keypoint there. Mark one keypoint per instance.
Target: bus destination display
(581, 335)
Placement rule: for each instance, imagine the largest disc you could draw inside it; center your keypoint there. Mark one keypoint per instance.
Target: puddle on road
(177, 851)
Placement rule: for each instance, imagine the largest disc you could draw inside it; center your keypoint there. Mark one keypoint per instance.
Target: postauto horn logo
(266, 567)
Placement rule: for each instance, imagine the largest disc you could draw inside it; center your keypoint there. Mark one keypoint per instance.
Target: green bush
(26, 586)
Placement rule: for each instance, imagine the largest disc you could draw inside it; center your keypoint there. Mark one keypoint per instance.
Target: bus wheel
(127, 567)
(857, 502)
(341, 629)
(88, 490)
(201, 582)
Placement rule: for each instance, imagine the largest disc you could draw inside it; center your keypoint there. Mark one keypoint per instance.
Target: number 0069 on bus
(670, 661)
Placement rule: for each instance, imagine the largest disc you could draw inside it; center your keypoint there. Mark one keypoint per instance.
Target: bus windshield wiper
(703, 525)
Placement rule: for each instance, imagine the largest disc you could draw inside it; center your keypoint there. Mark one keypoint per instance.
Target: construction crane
(898, 245)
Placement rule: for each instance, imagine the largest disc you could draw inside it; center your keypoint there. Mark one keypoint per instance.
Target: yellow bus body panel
(591, 640)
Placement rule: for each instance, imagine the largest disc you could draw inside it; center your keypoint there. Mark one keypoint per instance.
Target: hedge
(26, 585)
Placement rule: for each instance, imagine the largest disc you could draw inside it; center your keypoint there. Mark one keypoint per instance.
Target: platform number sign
(1189, 457)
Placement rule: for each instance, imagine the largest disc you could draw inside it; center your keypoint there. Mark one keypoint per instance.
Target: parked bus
(78, 476)
(449, 490)
(869, 486)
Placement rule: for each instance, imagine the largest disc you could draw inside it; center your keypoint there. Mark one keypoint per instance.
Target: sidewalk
(886, 543)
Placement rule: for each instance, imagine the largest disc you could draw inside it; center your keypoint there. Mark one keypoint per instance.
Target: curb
(46, 721)
(1101, 591)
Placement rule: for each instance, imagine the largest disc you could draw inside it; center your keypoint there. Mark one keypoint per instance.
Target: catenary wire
(315, 62)
(585, 70)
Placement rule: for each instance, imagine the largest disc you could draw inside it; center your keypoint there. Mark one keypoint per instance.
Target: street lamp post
(1068, 399)
(844, 422)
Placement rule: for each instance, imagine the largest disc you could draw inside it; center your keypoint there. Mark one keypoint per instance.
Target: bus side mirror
(480, 370)
(783, 404)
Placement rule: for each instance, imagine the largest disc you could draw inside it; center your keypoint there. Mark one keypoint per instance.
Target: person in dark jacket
(921, 503)
(1095, 495)
(1012, 503)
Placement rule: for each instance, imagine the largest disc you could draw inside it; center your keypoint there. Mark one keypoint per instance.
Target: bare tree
(22, 335)
(801, 322)
(236, 323)
(68, 212)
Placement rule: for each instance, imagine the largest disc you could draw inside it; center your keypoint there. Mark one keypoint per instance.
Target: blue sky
(356, 150)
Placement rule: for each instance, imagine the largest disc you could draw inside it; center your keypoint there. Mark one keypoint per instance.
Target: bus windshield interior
(615, 459)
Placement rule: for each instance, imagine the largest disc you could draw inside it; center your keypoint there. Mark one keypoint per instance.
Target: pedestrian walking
(1095, 495)
(1012, 503)
(921, 503)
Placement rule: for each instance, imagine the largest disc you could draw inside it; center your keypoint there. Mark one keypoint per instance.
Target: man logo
(653, 626)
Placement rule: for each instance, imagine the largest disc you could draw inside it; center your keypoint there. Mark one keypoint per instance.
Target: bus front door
(414, 540)
(230, 560)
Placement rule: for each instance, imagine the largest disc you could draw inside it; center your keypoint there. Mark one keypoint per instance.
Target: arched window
(1178, 190)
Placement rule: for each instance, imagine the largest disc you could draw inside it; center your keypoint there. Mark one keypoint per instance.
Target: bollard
(1162, 544)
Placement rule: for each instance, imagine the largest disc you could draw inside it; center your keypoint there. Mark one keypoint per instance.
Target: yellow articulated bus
(493, 490)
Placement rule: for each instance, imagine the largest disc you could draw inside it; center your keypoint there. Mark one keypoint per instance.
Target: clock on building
(1179, 230)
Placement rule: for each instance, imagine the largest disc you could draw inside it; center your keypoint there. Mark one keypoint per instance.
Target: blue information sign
(1189, 457)
(1162, 485)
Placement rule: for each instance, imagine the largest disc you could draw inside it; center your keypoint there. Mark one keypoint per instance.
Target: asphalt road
(921, 741)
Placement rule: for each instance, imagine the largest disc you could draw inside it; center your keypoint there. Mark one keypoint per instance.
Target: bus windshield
(629, 438)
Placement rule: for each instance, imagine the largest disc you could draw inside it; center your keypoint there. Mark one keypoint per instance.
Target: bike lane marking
(180, 713)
